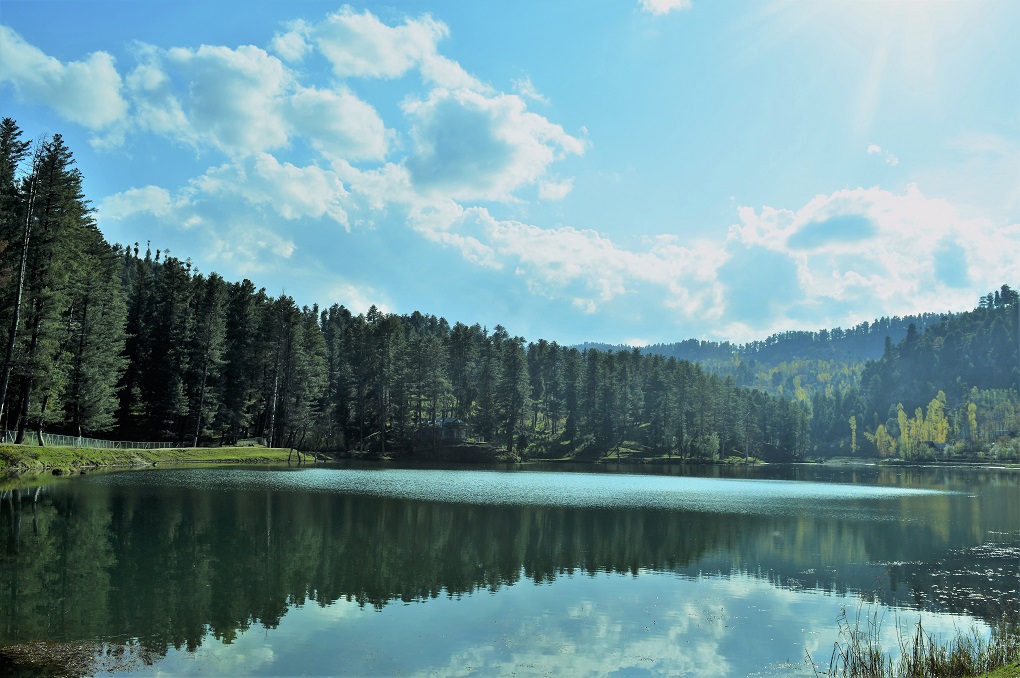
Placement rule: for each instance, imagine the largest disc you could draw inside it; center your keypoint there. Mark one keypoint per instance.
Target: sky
(623, 171)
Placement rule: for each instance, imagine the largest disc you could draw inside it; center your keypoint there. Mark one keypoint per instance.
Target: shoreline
(30, 459)
(17, 460)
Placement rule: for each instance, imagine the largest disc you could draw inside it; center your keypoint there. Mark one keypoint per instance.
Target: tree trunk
(26, 388)
(205, 377)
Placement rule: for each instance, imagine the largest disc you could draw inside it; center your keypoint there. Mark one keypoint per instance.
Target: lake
(382, 570)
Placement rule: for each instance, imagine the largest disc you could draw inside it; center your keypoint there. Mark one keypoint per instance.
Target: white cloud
(526, 89)
(357, 298)
(581, 266)
(555, 190)
(887, 157)
(289, 191)
(85, 92)
(840, 259)
(660, 7)
(469, 146)
(870, 252)
(150, 199)
(234, 96)
(359, 45)
(378, 188)
(292, 45)
(156, 106)
(450, 224)
(246, 101)
(244, 248)
(338, 123)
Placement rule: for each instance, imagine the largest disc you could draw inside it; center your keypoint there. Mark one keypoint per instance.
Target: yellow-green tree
(936, 423)
(972, 422)
(901, 419)
(885, 443)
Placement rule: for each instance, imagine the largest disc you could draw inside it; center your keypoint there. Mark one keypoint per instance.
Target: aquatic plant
(858, 652)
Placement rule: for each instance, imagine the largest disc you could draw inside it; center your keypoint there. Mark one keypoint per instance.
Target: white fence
(78, 441)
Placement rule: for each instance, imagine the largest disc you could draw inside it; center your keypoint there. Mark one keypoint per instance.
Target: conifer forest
(128, 342)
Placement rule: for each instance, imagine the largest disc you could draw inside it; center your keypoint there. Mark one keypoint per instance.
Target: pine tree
(15, 228)
(168, 329)
(96, 321)
(512, 390)
(58, 215)
(205, 358)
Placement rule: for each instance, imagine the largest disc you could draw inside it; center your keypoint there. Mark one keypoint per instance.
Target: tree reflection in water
(169, 565)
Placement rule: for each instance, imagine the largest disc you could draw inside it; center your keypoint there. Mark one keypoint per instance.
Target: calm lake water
(396, 571)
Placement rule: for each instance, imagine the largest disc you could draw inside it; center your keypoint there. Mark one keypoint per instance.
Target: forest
(116, 341)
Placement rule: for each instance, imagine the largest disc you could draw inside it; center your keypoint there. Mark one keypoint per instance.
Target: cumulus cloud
(470, 146)
(86, 92)
(359, 45)
(148, 199)
(842, 258)
(338, 123)
(660, 7)
(579, 265)
(468, 142)
(235, 97)
(290, 192)
(246, 101)
(870, 252)
(292, 45)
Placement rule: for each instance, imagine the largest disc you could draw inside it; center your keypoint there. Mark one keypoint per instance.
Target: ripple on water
(523, 488)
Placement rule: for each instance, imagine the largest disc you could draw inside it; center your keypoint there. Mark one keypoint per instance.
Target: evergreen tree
(205, 357)
(512, 389)
(58, 216)
(15, 229)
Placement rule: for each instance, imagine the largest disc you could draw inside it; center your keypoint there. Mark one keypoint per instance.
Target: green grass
(29, 458)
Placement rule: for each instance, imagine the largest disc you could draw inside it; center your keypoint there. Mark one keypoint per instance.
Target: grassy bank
(32, 459)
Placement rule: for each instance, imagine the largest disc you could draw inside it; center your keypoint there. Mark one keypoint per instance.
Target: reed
(858, 651)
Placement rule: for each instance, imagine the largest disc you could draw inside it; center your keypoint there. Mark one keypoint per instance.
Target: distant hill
(796, 363)
(961, 352)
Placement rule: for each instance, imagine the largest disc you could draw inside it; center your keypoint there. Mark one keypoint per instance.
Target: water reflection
(178, 559)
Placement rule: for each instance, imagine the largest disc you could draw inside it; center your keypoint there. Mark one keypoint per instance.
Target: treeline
(857, 344)
(795, 364)
(111, 340)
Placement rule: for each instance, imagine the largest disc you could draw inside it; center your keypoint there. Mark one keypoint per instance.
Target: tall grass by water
(858, 652)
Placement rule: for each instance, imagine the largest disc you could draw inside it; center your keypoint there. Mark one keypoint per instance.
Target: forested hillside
(112, 340)
(948, 391)
(115, 341)
(794, 364)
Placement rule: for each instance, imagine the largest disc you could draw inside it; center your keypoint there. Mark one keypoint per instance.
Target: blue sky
(635, 171)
